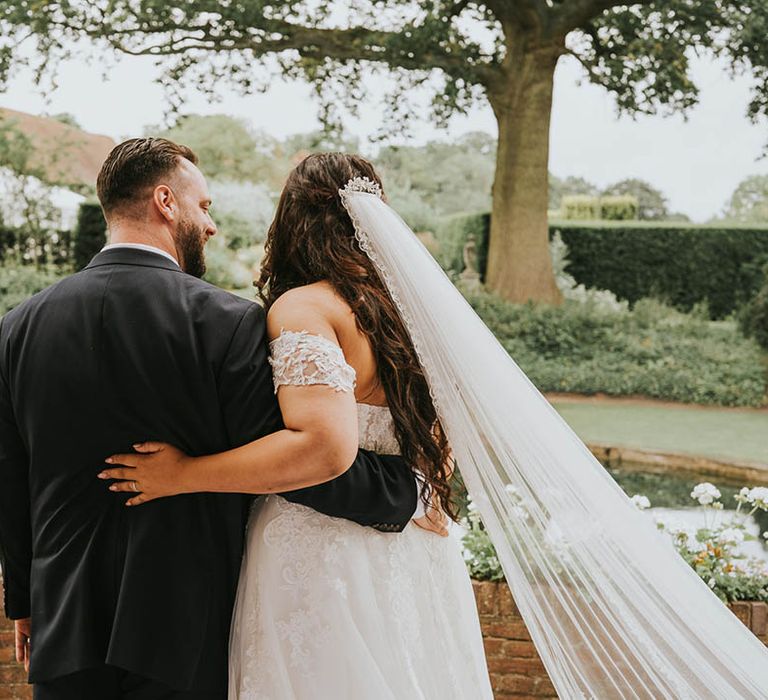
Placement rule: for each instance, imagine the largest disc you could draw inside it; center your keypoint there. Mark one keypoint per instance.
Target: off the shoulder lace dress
(330, 610)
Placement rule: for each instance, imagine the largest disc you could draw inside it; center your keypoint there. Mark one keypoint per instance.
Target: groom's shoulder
(215, 299)
(27, 307)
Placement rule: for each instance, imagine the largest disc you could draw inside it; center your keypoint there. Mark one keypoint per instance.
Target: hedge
(453, 233)
(620, 207)
(681, 264)
(90, 233)
(41, 249)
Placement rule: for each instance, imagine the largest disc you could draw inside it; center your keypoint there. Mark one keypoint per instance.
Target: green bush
(19, 246)
(652, 350)
(225, 268)
(452, 234)
(19, 282)
(581, 207)
(620, 207)
(681, 265)
(90, 234)
(753, 317)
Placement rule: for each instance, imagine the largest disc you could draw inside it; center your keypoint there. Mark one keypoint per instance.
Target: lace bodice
(376, 429)
(300, 358)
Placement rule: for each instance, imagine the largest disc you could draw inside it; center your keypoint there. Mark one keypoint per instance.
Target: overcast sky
(697, 164)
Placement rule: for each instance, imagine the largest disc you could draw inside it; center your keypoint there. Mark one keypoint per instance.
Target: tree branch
(354, 44)
(573, 14)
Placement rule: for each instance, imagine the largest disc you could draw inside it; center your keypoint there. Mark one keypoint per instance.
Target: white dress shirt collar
(142, 246)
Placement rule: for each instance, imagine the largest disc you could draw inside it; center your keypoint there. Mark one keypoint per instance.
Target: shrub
(620, 207)
(242, 212)
(568, 286)
(90, 234)
(225, 268)
(652, 350)
(452, 234)
(753, 317)
(582, 207)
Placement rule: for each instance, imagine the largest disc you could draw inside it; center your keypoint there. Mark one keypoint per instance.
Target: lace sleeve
(300, 358)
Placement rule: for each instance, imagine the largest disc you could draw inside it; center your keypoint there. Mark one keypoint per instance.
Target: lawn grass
(707, 432)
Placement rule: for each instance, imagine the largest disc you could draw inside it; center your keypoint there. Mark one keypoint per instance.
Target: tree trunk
(519, 265)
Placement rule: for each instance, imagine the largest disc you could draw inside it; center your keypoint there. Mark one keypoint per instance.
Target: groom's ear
(165, 202)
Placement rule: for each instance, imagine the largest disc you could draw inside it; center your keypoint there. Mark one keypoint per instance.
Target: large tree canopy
(503, 51)
(749, 202)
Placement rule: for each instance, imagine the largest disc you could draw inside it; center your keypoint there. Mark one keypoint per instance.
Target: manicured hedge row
(680, 264)
(56, 249)
(19, 247)
(90, 234)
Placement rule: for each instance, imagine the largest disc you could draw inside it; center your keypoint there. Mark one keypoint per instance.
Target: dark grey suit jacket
(133, 349)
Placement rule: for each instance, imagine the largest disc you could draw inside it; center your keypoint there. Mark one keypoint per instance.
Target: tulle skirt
(330, 610)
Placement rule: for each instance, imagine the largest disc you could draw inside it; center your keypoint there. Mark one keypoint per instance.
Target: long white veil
(613, 610)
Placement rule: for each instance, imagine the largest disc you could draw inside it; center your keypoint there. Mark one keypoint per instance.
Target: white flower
(695, 547)
(758, 496)
(712, 583)
(743, 495)
(471, 507)
(705, 493)
(641, 502)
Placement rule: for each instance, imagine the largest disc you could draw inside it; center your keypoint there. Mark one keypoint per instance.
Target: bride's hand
(155, 470)
(434, 521)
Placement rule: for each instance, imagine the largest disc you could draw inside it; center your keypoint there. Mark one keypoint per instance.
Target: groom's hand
(23, 633)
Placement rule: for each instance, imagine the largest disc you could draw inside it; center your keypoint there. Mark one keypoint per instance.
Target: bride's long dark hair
(312, 238)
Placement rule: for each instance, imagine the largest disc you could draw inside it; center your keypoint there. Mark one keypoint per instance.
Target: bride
(359, 311)
(327, 608)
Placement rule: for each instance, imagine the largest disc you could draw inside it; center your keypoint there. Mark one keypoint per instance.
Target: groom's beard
(190, 240)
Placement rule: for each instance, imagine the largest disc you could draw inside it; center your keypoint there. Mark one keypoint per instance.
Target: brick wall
(515, 667)
(13, 679)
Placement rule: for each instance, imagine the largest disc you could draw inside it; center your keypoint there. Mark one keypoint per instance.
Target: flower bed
(713, 551)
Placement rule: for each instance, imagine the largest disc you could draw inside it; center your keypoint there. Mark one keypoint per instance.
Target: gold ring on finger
(135, 486)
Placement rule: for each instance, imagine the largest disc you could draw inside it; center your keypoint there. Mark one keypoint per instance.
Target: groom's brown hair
(134, 167)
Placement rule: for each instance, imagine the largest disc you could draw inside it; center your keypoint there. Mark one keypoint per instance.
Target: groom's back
(132, 349)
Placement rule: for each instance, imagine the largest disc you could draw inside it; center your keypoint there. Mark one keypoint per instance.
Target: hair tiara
(362, 184)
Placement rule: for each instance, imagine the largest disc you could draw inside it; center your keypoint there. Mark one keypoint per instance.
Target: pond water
(670, 497)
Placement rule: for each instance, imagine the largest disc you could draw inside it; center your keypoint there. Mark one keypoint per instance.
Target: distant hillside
(70, 157)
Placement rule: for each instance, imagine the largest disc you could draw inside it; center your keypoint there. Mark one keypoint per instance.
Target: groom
(116, 602)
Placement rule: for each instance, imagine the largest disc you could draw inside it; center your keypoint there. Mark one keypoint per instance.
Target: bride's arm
(318, 443)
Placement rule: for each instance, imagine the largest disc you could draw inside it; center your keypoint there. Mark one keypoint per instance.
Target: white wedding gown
(330, 610)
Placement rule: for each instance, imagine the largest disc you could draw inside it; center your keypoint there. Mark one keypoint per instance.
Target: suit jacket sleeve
(15, 524)
(377, 491)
